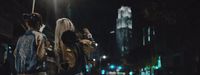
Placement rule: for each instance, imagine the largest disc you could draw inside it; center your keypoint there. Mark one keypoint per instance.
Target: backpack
(26, 59)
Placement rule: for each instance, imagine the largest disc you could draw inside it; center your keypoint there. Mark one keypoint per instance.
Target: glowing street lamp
(104, 57)
(94, 59)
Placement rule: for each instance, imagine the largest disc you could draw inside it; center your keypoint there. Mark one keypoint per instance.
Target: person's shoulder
(39, 34)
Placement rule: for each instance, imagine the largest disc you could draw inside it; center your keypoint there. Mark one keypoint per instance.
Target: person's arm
(87, 46)
(41, 47)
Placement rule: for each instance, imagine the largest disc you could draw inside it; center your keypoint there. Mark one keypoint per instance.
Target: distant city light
(154, 32)
(158, 63)
(87, 68)
(112, 66)
(111, 32)
(9, 47)
(119, 67)
(149, 38)
(121, 73)
(112, 73)
(149, 30)
(103, 72)
(149, 34)
(131, 73)
(104, 56)
(96, 44)
(94, 59)
(143, 40)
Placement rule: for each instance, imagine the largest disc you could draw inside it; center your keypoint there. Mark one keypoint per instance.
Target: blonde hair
(62, 24)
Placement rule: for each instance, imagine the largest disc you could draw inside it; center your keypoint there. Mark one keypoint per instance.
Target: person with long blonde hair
(62, 25)
(69, 49)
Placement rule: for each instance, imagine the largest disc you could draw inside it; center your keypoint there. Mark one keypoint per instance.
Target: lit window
(149, 34)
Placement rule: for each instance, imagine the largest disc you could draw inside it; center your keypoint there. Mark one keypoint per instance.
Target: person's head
(33, 21)
(69, 37)
(62, 25)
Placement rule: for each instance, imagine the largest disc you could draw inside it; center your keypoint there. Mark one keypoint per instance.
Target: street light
(94, 59)
(104, 56)
(9, 47)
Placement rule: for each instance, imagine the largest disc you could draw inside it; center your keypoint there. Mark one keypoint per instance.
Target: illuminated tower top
(124, 18)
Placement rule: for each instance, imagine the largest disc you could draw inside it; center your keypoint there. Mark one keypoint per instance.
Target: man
(30, 49)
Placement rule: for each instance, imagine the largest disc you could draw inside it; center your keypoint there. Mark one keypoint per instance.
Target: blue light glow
(145, 71)
(158, 65)
(87, 68)
(119, 67)
(103, 72)
(131, 73)
(112, 66)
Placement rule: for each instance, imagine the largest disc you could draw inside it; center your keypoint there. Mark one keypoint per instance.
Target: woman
(66, 56)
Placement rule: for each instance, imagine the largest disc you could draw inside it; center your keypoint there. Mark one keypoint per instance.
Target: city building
(124, 30)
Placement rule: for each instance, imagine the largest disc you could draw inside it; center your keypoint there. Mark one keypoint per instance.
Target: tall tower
(124, 30)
